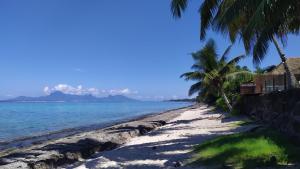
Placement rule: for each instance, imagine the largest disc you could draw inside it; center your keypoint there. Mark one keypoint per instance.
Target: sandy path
(167, 145)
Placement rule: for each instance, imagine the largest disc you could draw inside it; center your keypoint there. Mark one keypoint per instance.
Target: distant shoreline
(182, 100)
(58, 96)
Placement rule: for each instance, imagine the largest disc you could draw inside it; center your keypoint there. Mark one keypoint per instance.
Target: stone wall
(281, 110)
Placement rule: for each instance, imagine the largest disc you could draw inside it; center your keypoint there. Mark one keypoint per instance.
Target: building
(274, 80)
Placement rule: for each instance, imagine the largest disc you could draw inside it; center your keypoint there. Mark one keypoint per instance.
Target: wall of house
(278, 109)
(259, 83)
(268, 83)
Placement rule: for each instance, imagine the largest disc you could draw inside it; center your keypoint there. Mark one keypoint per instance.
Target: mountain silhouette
(58, 96)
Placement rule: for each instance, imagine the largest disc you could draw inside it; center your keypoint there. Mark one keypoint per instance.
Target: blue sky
(132, 47)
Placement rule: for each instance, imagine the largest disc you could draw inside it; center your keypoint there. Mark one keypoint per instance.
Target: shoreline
(112, 134)
(171, 145)
(84, 128)
(80, 129)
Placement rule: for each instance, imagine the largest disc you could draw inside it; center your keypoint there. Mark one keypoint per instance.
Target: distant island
(58, 96)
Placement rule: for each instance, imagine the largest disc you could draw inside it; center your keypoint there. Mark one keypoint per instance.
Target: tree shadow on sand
(167, 152)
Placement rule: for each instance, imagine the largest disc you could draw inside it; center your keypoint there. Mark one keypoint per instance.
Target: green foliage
(243, 123)
(245, 68)
(247, 150)
(207, 97)
(256, 22)
(236, 111)
(232, 85)
(264, 70)
(211, 72)
(220, 103)
(177, 6)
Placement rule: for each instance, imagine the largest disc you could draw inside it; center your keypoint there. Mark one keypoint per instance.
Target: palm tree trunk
(226, 100)
(291, 79)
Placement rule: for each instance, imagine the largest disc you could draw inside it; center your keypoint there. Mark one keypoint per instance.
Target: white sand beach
(168, 146)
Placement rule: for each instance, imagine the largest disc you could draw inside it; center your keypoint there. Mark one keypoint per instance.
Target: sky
(101, 47)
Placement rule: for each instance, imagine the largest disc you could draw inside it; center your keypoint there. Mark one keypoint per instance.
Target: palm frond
(192, 76)
(197, 66)
(178, 6)
(195, 88)
(228, 66)
(261, 46)
(243, 75)
(257, 19)
(207, 11)
(231, 11)
(207, 56)
(225, 54)
(236, 59)
(212, 75)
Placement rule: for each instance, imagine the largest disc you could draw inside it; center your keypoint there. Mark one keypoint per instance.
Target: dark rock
(177, 164)
(273, 160)
(50, 154)
(65, 153)
(226, 166)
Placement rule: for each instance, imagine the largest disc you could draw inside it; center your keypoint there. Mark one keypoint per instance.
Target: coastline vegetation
(217, 79)
(183, 100)
(257, 24)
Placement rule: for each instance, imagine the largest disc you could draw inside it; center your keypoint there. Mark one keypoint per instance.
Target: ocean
(24, 119)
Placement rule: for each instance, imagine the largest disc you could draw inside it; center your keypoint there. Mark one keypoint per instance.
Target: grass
(247, 150)
(243, 123)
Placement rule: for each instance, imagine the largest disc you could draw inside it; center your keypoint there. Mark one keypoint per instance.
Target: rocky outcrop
(278, 109)
(55, 153)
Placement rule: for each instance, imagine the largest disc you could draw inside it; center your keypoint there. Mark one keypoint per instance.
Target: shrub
(220, 103)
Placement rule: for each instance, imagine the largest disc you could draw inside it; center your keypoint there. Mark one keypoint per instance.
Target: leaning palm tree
(210, 72)
(256, 22)
(259, 23)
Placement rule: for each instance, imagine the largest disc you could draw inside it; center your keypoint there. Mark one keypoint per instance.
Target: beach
(70, 146)
(157, 141)
(170, 145)
(150, 84)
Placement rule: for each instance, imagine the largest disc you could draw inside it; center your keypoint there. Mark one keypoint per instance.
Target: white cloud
(125, 91)
(47, 90)
(80, 90)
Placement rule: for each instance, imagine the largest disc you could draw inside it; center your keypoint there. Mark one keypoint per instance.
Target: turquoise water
(30, 119)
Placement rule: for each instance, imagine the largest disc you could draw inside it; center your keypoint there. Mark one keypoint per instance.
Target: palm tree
(210, 73)
(259, 23)
(256, 22)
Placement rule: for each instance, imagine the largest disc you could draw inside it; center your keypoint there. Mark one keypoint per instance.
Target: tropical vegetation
(260, 148)
(214, 75)
(256, 22)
